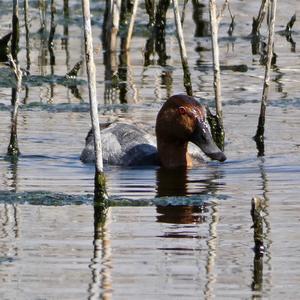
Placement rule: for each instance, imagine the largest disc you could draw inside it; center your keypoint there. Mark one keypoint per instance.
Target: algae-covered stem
(259, 137)
(184, 60)
(100, 191)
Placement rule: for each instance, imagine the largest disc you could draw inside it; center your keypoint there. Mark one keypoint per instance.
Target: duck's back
(122, 144)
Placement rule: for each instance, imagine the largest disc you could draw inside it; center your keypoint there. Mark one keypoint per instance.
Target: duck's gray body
(127, 144)
(122, 144)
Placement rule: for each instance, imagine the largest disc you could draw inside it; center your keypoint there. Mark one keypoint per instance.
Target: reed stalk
(216, 122)
(13, 148)
(183, 54)
(100, 189)
(215, 53)
(259, 136)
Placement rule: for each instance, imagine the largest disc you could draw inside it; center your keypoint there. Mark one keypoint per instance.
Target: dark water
(186, 235)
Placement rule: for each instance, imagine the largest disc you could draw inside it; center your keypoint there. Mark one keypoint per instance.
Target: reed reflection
(12, 174)
(258, 260)
(51, 47)
(202, 26)
(13, 150)
(101, 265)
(9, 233)
(212, 245)
(157, 40)
(65, 38)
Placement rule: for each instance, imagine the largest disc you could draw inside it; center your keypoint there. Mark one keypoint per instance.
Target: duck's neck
(173, 154)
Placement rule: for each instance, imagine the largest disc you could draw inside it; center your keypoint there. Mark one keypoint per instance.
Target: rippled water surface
(167, 235)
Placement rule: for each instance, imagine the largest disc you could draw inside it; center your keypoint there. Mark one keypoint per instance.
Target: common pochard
(180, 120)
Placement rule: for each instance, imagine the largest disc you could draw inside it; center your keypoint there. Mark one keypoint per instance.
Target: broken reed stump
(13, 148)
(259, 136)
(100, 182)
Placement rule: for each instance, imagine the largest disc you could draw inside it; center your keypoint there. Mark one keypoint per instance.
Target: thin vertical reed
(259, 136)
(215, 53)
(91, 75)
(184, 60)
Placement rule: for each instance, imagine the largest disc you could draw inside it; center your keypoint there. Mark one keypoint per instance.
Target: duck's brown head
(181, 120)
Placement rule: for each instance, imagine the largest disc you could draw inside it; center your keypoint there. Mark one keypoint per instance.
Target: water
(186, 235)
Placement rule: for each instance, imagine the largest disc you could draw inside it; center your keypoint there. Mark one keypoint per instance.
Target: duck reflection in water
(178, 183)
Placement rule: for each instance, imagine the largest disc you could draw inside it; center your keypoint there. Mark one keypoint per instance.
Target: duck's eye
(182, 110)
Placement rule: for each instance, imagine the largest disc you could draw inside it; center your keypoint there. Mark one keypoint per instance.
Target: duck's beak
(203, 139)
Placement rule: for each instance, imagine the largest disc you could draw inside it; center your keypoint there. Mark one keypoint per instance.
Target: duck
(180, 122)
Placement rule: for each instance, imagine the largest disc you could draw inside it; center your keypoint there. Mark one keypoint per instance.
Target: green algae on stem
(217, 129)
(100, 192)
